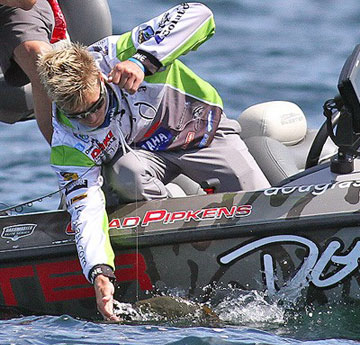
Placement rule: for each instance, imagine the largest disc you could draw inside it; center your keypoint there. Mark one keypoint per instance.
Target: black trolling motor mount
(347, 104)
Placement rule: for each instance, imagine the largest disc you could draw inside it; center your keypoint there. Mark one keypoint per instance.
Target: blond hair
(68, 74)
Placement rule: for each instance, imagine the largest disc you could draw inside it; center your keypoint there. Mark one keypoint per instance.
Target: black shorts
(18, 26)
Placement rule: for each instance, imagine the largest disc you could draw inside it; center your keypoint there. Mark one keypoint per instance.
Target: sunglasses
(92, 109)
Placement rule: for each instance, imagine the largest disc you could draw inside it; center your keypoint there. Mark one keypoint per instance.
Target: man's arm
(86, 204)
(24, 4)
(160, 41)
(104, 291)
(81, 185)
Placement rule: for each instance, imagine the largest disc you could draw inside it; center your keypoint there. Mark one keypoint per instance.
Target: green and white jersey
(173, 109)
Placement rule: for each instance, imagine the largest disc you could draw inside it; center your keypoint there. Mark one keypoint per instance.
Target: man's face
(92, 112)
(96, 118)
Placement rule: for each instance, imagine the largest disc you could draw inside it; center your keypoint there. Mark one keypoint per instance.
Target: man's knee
(131, 180)
(123, 177)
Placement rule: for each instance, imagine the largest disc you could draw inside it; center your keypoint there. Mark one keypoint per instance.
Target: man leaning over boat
(128, 110)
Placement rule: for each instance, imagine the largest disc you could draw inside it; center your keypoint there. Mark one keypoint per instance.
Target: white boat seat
(277, 136)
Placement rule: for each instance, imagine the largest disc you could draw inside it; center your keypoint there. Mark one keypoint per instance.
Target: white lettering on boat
(314, 189)
(313, 267)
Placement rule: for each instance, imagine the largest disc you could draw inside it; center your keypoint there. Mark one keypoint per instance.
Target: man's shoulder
(68, 148)
(62, 137)
(113, 48)
(106, 45)
(62, 134)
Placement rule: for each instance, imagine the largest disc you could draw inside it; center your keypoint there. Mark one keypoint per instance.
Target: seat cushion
(273, 158)
(280, 120)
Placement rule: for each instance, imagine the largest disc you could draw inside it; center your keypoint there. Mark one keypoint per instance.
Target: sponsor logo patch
(79, 147)
(76, 185)
(78, 198)
(68, 176)
(210, 119)
(82, 137)
(169, 24)
(159, 141)
(102, 146)
(204, 140)
(145, 34)
(189, 138)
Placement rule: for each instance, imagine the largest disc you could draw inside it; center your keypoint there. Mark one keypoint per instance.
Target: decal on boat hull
(63, 280)
(165, 217)
(314, 266)
(15, 232)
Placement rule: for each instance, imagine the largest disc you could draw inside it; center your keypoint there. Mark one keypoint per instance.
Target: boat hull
(283, 243)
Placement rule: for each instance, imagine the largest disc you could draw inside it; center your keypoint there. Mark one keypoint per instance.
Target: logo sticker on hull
(15, 232)
(315, 266)
(165, 217)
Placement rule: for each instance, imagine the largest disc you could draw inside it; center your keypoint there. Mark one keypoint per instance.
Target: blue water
(262, 50)
(315, 330)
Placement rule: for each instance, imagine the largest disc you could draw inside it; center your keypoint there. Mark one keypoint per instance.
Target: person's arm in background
(24, 4)
(26, 54)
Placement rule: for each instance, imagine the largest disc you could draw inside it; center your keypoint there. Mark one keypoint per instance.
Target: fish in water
(166, 308)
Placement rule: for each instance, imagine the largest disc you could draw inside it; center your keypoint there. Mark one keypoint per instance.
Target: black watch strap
(150, 62)
(103, 269)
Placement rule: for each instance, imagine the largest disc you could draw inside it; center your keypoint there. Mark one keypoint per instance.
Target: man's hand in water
(104, 291)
